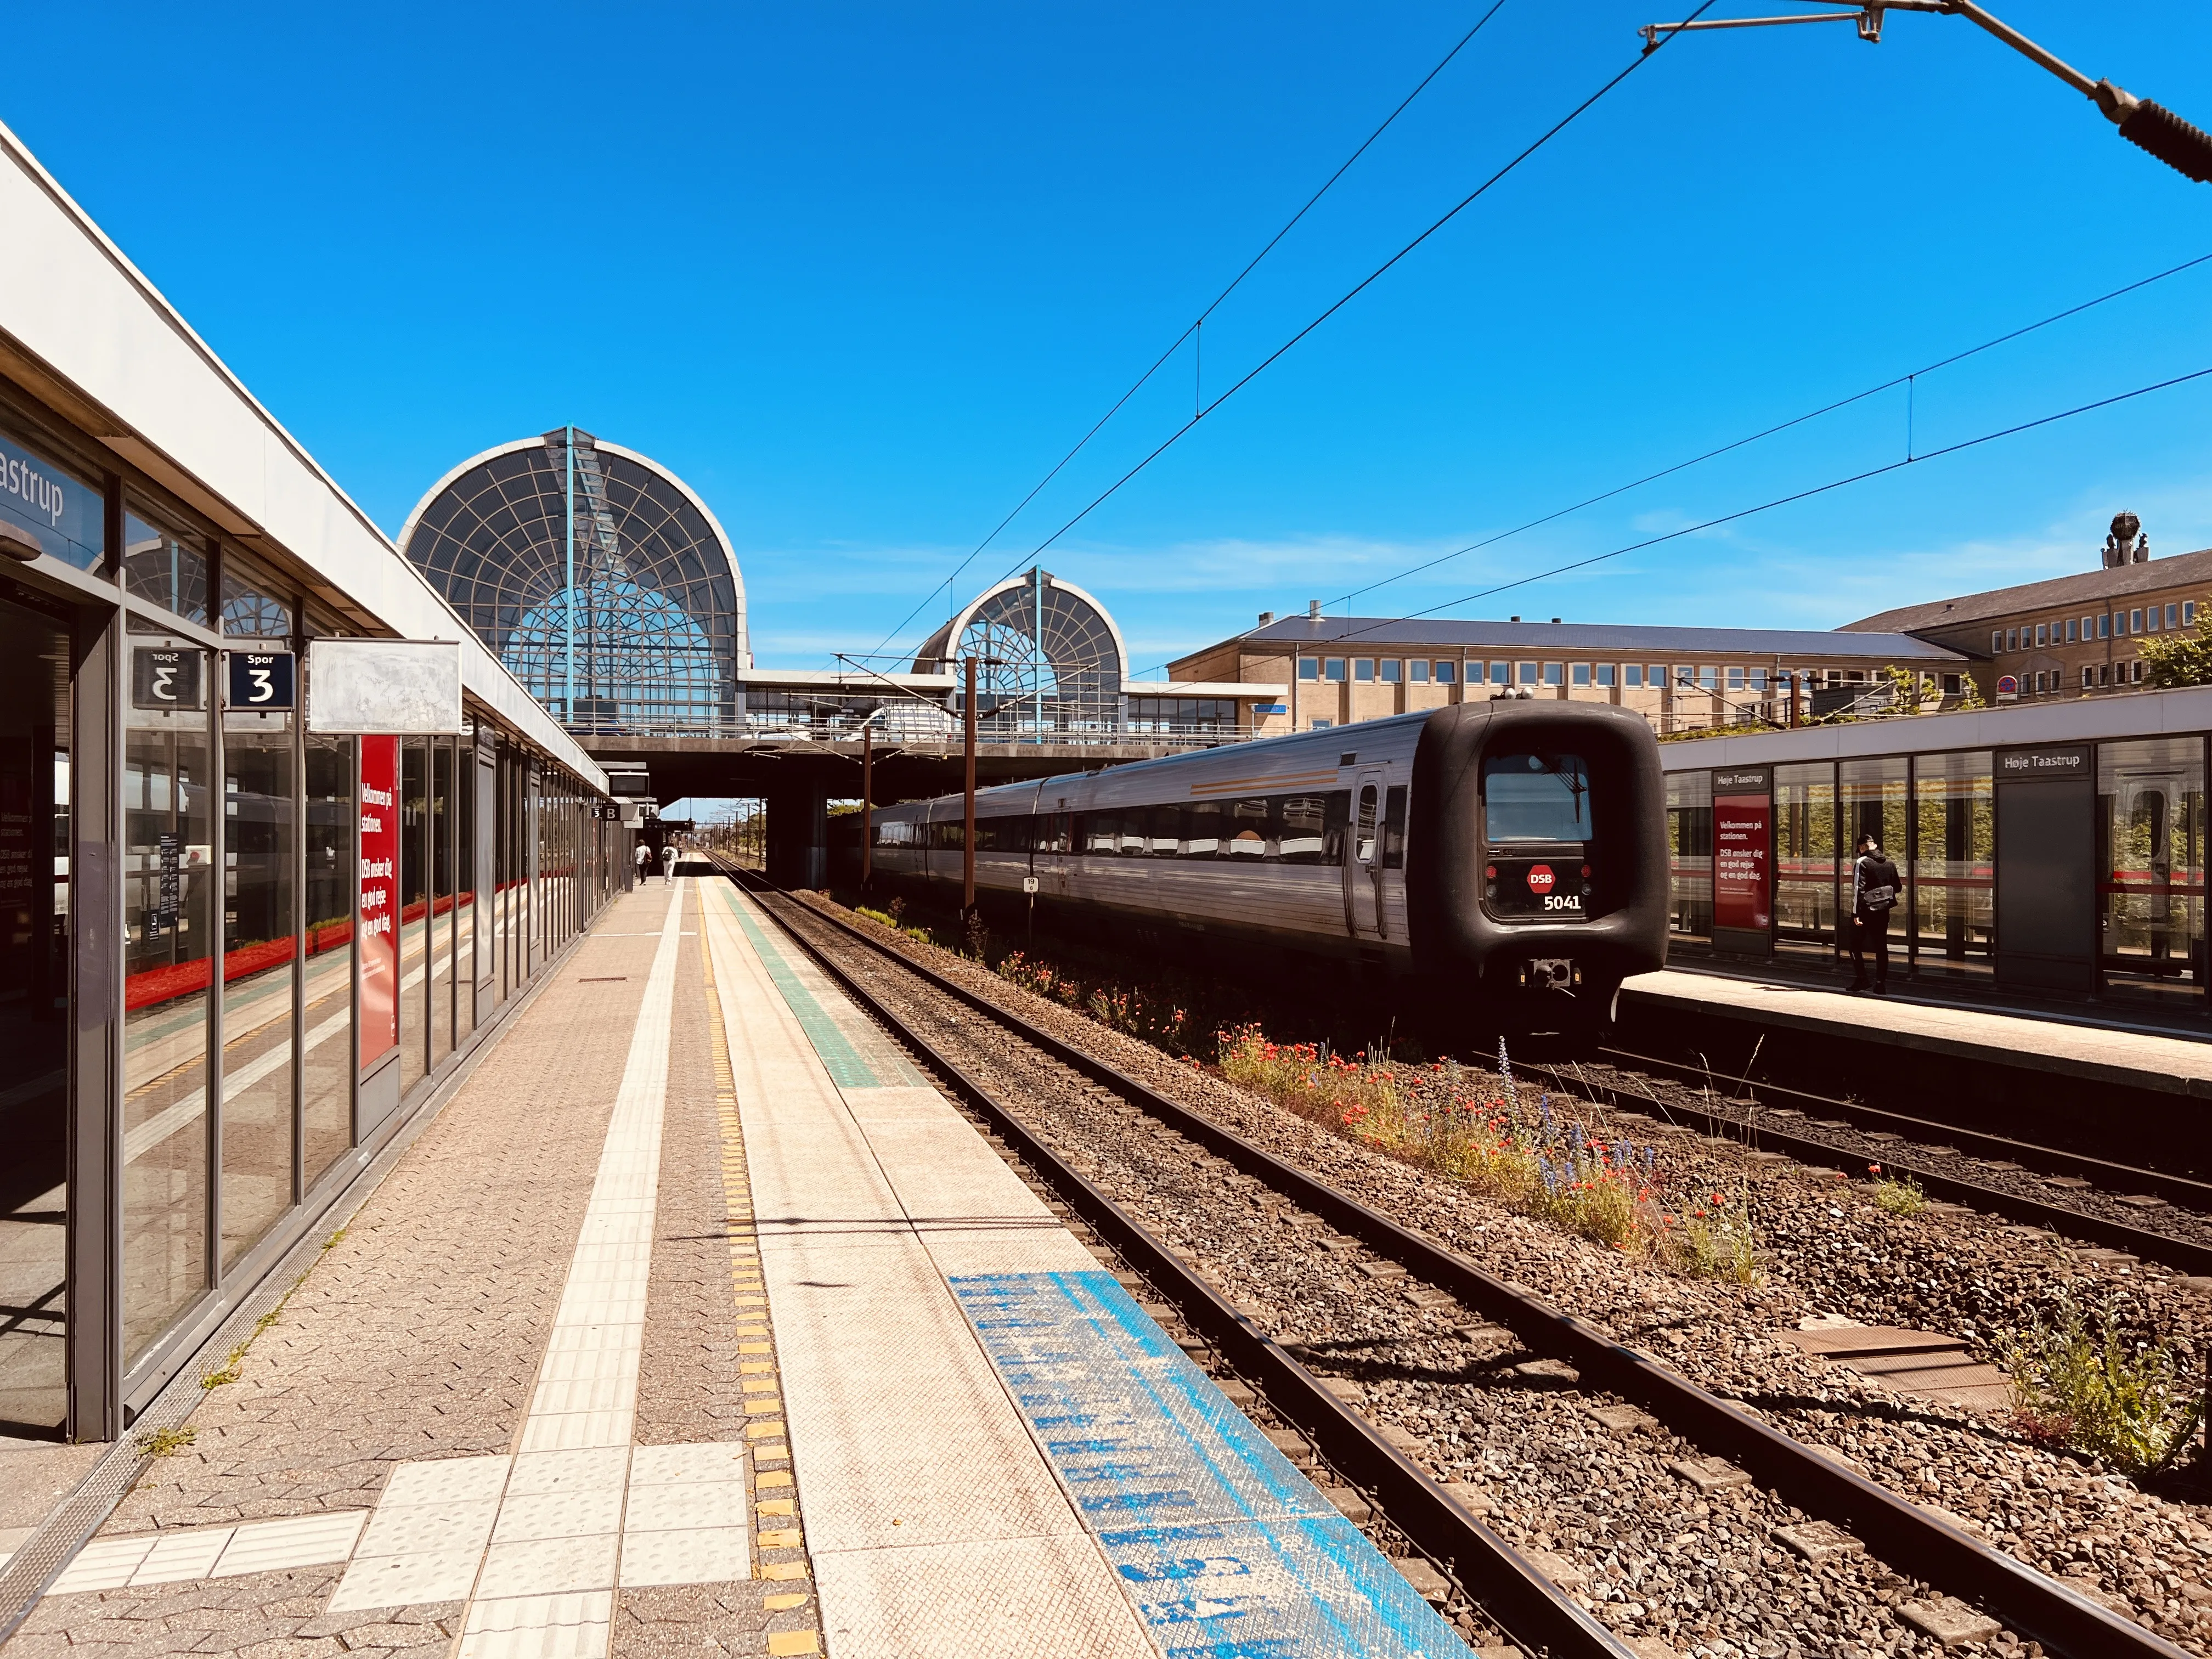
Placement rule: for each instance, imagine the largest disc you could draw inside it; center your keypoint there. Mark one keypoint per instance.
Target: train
(1507, 858)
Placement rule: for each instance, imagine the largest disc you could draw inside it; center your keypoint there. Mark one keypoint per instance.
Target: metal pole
(1036, 579)
(867, 802)
(569, 575)
(967, 802)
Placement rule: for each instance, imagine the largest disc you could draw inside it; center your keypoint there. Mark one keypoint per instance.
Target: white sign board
(407, 687)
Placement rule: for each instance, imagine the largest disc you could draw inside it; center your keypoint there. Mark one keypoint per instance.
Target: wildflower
(1874, 1169)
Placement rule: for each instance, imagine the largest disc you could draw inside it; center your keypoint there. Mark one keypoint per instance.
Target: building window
(2040, 632)
(2069, 630)
(1605, 672)
(1448, 672)
(1308, 668)
(1362, 668)
(2135, 622)
(1632, 674)
(1582, 674)
(1708, 678)
(1658, 673)
(1390, 670)
(1758, 679)
(2039, 683)
(2134, 671)
(1417, 671)
(2170, 616)
(2089, 677)
(1526, 673)
(1321, 726)
(1555, 673)
(2189, 613)
(2012, 638)
(1735, 679)
(1501, 673)
(1952, 683)
(2105, 626)
(2088, 628)
(1997, 640)
(1333, 669)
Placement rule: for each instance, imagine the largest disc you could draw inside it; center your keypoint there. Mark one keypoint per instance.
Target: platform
(698, 1319)
(2090, 1049)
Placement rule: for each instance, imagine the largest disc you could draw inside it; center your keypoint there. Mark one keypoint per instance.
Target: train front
(1536, 859)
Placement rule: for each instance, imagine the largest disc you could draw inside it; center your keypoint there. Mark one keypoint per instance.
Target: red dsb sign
(1540, 879)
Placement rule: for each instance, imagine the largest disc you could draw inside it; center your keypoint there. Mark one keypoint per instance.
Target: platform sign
(165, 677)
(261, 680)
(1743, 858)
(380, 898)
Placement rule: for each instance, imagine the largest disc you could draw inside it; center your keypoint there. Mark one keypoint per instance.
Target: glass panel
(167, 568)
(55, 512)
(2151, 823)
(467, 912)
(1953, 845)
(249, 609)
(1805, 856)
(414, 909)
(35, 725)
(1874, 797)
(260, 915)
(326, 1111)
(168, 876)
(442, 907)
(1535, 798)
(1690, 853)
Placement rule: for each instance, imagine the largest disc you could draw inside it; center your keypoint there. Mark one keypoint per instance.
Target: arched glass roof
(1050, 658)
(635, 622)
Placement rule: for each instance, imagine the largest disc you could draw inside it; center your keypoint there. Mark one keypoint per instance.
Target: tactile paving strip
(1219, 1543)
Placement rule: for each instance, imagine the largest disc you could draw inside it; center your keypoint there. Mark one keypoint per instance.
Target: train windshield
(1536, 797)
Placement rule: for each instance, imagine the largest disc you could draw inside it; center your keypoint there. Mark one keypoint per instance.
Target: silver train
(1504, 850)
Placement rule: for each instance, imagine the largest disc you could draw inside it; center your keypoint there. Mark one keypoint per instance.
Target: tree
(2171, 659)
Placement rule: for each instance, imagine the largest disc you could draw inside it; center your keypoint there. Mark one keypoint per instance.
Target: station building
(1341, 670)
(241, 942)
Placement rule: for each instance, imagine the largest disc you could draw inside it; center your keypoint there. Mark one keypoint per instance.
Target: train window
(1206, 825)
(1308, 668)
(1363, 843)
(1446, 672)
(1166, 831)
(1394, 828)
(1536, 797)
(1248, 840)
(1097, 832)
(1362, 668)
(1417, 671)
(1390, 670)
(1333, 668)
(1302, 837)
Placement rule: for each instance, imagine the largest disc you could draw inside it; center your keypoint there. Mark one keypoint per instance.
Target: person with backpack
(1875, 888)
(644, 863)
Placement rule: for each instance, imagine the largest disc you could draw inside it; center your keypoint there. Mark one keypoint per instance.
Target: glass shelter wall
(1954, 861)
(2150, 833)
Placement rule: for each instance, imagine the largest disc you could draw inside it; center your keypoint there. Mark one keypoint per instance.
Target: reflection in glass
(260, 918)
(1805, 856)
(165, 568)
(414, 909)
(33, 1020)
(1536, 797)
(1953, 849)
(467, 913)
(2150, 797)
(441, 902)
(1690, 853)
(168, 878)
(326, 1099)
(1872, 793)
(248, 610)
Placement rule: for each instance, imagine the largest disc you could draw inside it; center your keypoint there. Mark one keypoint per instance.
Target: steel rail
(2185, 1255)
(2029, 1602)
(1529, 1606)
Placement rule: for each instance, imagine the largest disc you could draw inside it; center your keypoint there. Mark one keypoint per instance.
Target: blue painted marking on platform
(1225, 1550)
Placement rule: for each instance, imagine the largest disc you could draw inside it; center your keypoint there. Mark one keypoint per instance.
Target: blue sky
(860, 275)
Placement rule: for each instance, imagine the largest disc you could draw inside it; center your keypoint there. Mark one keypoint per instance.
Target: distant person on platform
(668, 860)
(1874, 888)
(644, 863)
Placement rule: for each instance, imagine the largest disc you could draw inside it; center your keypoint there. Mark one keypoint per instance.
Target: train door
(1363, 857)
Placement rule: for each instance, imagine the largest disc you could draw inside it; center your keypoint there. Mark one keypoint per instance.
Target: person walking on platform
(668, 862)
(644, 863)
(1874, 888)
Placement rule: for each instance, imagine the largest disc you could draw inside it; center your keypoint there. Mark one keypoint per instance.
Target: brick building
(2072, 635)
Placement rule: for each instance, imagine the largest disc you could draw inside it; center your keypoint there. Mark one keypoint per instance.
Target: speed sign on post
(262, 679)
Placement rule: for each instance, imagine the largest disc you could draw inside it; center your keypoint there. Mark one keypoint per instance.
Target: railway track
(1493, 1575)
(1741, 1108)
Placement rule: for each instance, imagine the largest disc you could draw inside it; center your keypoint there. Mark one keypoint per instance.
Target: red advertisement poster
(380, 896)
(1743, 850)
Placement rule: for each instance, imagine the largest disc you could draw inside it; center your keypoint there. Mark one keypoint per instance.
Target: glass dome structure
(1049, 657)
(596, 577)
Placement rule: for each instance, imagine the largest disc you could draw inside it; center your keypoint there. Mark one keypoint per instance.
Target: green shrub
(2095, 1389)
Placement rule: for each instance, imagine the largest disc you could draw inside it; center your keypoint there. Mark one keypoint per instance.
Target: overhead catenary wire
(1355, 291)
(1785, 500)
(1907, 380)
(1194, 332)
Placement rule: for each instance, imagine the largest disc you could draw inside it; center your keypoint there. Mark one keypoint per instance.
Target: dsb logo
(1540, 879)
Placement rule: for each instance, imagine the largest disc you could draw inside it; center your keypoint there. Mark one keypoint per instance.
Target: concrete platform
(2092, 1051)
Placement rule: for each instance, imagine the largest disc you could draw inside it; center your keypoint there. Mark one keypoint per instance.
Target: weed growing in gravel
(1898, 1195)
(1157, 1019)
(2093, 1389)
(167, 1443)
(889, 919)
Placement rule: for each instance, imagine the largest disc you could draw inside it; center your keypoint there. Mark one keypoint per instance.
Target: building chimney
(2126, 544)
(1555, 619)
(1313, 609)
(1513, 619)
(1266, 617)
